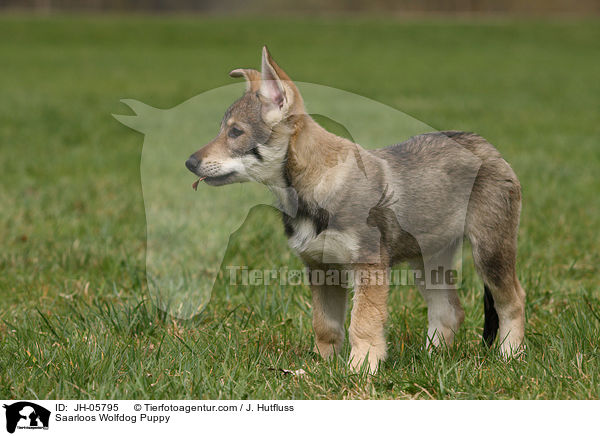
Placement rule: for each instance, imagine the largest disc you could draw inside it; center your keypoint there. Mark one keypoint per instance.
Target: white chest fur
(329, 246)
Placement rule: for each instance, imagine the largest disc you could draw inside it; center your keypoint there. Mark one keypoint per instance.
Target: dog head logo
(188, 231)
(26, 415)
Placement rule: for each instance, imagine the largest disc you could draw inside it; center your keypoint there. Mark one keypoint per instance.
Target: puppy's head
(255, 131)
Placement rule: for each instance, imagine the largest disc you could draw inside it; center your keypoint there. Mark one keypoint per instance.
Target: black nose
(192, 163)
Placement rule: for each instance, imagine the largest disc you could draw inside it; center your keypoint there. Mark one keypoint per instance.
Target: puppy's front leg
(368, 318)
(329, 314)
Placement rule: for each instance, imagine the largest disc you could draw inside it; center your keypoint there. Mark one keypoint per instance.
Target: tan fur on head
(280, 96)
(295, 102)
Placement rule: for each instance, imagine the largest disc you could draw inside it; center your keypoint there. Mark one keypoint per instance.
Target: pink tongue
(195, 184)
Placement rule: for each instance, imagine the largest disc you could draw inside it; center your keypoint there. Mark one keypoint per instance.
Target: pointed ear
(252, 78)
(271, 86)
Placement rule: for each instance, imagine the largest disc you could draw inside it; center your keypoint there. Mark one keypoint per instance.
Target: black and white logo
(26, 415)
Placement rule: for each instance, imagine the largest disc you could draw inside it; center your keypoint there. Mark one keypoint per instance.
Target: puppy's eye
(234, 132)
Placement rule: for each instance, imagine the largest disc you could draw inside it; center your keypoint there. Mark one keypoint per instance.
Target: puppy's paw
(512, 351)
(370, 356)
(326, 350)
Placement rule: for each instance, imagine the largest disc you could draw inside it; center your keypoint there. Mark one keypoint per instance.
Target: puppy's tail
(491, 323)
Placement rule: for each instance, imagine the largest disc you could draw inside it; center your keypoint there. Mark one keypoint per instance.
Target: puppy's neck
(315, 159)
(316, 167)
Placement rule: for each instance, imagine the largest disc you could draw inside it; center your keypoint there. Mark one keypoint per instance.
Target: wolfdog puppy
(366, 210)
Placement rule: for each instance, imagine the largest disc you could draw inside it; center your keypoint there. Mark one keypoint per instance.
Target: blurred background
(76, 319)
(314, 6)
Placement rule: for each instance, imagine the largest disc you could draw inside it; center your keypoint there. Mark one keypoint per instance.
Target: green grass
(76, 319)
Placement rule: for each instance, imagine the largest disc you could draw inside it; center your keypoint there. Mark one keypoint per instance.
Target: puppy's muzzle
(192, 163)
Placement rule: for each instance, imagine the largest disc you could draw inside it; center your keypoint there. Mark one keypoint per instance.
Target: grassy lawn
(76, 319)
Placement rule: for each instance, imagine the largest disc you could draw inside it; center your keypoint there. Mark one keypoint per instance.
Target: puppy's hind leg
(492, 225)
(504, 297)
(445, 314)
